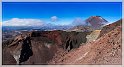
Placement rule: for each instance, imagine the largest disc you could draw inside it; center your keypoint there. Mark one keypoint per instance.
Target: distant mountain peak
(96, 21)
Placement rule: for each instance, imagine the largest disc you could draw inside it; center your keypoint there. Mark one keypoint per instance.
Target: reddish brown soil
(110, 27)
(5, 56)
(54, 35)
(106, 50)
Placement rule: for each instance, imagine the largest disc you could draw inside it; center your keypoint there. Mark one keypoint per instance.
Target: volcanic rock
(96, 22)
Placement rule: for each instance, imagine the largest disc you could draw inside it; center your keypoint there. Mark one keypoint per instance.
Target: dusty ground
(106, 50)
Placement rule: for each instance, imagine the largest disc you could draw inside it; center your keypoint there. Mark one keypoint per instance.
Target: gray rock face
(74, 40)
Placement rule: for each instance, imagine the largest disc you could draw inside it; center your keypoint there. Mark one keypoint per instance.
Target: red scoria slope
(110, 27)
(105, 50)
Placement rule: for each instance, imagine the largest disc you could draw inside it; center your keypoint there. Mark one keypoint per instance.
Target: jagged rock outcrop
(74, 39)
(26, 50)
(65, 39)
(39, 47)
(19, 49)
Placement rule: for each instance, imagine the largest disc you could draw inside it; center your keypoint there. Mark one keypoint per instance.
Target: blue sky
(62, 13)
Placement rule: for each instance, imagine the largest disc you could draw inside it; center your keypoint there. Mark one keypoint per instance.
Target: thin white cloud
(54, 18)
(78, 21)
(23, 22)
